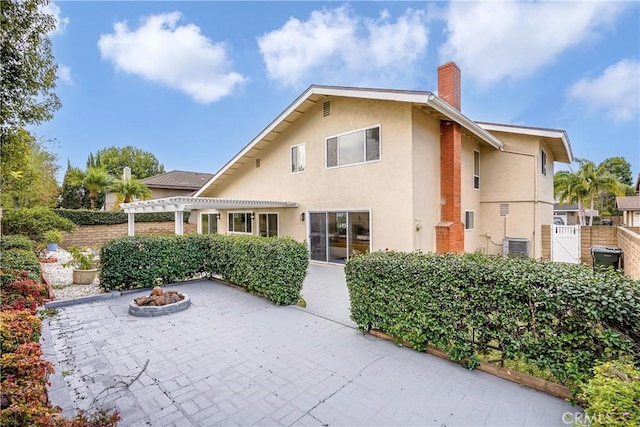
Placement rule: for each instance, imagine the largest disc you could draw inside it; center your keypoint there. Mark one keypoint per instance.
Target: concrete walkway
(233, 358)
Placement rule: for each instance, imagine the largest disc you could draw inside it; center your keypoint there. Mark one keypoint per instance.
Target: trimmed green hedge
(16, 241)
(34, 222)
(93, 217)
(15, 261)
(556, 316)
(273, 267)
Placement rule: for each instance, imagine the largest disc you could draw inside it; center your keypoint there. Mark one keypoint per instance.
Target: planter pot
(84, 277)
(52, 247)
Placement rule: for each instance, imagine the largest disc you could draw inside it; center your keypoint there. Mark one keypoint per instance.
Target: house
(351, 170)
(169, 184)
(569, 213)
(630, 207)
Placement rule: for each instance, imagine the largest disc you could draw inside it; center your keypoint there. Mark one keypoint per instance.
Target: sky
(193, 82)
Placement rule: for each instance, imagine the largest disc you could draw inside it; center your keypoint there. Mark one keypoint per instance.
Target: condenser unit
(513, 246)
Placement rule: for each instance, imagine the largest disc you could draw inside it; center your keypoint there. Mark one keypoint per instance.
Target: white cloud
(616, 91)
(492, 41)
(342, 47)
(61, 21)
(64, 74)
(178, 56)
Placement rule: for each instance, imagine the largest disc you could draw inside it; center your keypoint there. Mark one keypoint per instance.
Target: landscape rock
(159, 298)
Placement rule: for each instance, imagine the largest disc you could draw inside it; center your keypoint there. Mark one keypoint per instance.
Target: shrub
(16, 241)
(18, 327)
(52, 236)
(23, 294)
(613, 395)
(34, 222)
(93, 217)
(555, 316)
(18, 260)
(273, 267)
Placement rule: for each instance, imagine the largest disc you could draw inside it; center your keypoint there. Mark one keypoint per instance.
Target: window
(352, 148)
(476, 169)
(240, 222)
(504, 209)
(210, 223)
(298, 158)
(469, 220)
(268, 225)
(543, 157)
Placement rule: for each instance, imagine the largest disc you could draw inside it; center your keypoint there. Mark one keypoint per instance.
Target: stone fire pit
(159, 303)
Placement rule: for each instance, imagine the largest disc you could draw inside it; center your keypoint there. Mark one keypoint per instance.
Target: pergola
(180, 204)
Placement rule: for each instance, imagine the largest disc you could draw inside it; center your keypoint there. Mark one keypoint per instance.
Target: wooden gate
(565, 243)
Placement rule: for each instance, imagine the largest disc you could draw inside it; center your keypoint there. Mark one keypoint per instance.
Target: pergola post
(179, 223)
(131, 220)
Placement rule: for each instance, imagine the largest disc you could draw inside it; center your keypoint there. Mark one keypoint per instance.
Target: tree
(569, 188)
(28, 171)
(28, 66)
(73, 194)
(126, 189)
(96, 180)
(618, 167)
(143, 164)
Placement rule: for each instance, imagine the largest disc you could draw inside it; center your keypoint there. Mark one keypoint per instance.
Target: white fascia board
(456, 116)
(544, 133)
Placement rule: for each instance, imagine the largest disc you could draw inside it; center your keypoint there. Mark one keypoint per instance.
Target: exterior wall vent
(326, 108)
(512, 246)
(504, 209)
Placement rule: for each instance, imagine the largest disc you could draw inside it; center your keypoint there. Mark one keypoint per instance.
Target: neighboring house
(351, 170)
(169, 184)
(630, 207)
(570, 214)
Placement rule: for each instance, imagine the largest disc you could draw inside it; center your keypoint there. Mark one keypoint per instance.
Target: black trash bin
(605, 257)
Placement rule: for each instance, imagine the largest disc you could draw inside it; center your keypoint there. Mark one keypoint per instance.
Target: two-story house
(351, 170)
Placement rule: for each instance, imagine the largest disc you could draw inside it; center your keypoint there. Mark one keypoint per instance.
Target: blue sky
(193, 82)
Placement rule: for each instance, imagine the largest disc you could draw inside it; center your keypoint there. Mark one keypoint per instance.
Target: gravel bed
(61, 278)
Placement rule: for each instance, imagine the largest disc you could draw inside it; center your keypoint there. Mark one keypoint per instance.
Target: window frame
(248, 220)
(297, 146)
(277, 223)
(211, 216)
(476, 173)
(469, 214)
(364, 147)
(543, 162)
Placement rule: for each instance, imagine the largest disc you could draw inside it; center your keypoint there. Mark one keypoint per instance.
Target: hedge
(273, 267)
(93, 217)
(16, 241)
(34, 222)
(558, 317)
(15, 261)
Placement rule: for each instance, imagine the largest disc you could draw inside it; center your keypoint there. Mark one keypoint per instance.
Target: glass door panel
(359, 236)
(337, 231)
(318, 236)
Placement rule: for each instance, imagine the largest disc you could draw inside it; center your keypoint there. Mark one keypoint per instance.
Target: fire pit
(159, 303)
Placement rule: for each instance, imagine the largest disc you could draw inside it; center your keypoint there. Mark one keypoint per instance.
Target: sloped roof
(629, 203)
(556, 139)
(178, 180)
(318, 93)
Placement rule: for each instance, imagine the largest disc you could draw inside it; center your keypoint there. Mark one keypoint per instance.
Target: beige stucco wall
(513, 176)
(426, 179)
(383, 187)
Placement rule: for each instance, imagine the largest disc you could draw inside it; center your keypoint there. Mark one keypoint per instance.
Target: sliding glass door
(335, 236)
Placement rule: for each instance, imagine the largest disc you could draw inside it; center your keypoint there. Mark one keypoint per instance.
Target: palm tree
(126, 189)
(569, 188)
(596, 180)
(96, 179)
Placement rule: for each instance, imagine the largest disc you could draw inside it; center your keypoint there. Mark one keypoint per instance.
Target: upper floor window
(240, 222)
(469, 220)
(352, 148)
(543, 160)
(298, 158)
(476, 169)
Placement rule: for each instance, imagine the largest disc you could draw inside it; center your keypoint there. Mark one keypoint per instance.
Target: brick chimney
(450, 230)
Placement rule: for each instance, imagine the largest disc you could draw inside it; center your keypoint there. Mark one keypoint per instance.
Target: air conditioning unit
(513, 246)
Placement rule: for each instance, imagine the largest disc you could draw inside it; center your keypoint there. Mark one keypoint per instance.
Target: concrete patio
(233, 358)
